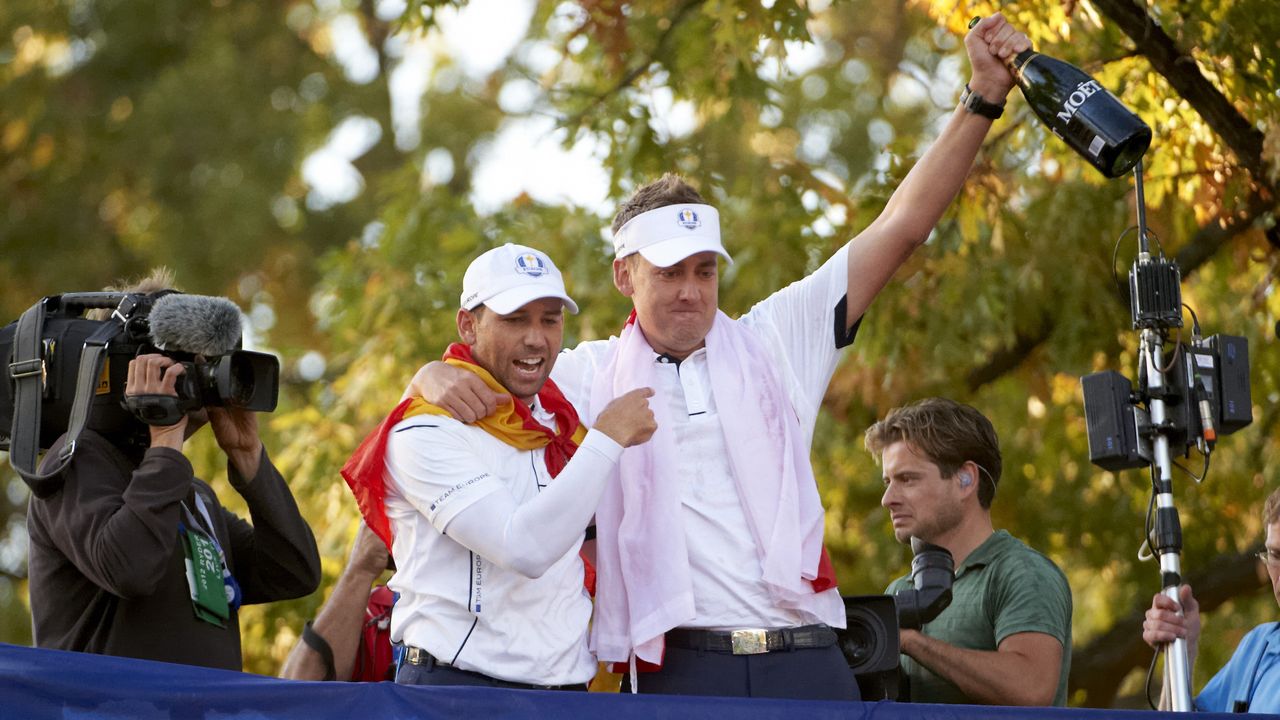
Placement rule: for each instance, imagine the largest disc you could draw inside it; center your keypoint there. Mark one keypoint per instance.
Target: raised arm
(276, 557)
(918, 203)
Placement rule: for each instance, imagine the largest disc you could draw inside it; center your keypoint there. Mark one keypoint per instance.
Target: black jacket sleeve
(119, 525)
(275, 558)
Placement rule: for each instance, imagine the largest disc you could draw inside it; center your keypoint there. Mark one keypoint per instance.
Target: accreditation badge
(204, 577)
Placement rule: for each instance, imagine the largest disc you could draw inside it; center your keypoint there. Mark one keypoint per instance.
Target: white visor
(666, 235)
(507, 278)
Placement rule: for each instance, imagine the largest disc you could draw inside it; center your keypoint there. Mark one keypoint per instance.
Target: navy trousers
(809, 674)
(435, 674)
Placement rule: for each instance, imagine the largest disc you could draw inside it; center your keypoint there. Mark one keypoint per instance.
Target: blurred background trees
(332, 165)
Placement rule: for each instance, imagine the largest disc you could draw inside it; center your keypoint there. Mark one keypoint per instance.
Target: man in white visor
(712, 575)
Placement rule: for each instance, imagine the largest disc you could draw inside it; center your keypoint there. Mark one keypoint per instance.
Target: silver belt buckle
(753, 641)
(417, 656)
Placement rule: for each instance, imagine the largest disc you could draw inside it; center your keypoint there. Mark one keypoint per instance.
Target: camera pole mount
(1155, 285)
(1168, 528)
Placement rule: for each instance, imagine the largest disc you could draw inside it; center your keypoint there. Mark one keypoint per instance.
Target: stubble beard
(947, 519)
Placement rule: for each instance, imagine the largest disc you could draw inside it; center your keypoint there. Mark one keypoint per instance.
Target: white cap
(666, 235)
(507, 278)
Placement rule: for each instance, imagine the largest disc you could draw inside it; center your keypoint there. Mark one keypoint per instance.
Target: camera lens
(241, 390)
(248, 380)
(858, 644)
(869, 641)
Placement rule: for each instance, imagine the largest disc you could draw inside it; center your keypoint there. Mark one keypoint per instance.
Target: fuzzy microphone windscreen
(197, 324)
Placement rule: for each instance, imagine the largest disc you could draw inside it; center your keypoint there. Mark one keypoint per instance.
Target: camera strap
(28, 371)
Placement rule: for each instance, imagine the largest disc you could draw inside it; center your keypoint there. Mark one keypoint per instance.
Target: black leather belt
(422, 658)
(752, 641)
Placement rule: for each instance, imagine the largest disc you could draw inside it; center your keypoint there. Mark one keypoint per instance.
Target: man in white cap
(485, 521)
(710, 548)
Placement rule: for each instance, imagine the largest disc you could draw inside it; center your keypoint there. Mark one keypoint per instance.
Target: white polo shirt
(460, 607)
(797, 325)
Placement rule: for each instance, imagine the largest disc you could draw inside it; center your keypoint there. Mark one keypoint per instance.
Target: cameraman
(113, 552)
(1005, 639)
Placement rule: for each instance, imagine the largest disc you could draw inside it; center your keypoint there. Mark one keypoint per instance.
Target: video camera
(870, 640)
(64, 371)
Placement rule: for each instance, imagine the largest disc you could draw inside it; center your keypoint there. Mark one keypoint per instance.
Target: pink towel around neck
(643, 584)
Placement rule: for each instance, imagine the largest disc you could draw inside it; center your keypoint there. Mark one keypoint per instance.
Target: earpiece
(966, 479)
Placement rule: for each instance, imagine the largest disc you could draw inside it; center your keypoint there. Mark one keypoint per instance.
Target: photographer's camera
(67, 371)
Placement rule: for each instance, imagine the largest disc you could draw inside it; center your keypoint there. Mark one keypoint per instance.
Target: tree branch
(1100, 666)
(634, 73)
(1006, 359)
(1184, 75)
(1210, 238)
(1199, 249)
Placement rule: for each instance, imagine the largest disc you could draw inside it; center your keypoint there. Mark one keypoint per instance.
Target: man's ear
(622, 277)
(466, 326)
(968, 478)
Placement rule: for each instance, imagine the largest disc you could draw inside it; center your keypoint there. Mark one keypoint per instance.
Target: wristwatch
(975, 103)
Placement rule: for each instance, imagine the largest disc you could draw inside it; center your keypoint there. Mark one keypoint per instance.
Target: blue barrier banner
(37, 684)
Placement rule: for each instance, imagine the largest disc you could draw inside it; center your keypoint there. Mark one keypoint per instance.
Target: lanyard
(207, 527)
(231, 588)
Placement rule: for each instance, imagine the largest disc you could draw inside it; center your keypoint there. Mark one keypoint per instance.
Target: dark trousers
(432, 673)
(809, 674)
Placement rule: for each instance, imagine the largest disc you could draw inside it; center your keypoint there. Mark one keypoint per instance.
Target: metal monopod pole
(1157, 306)
(1168, 529)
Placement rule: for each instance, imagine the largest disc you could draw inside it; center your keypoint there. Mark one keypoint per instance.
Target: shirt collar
(541, 414)
(665, 359)
(1273, 639)
(988, 551)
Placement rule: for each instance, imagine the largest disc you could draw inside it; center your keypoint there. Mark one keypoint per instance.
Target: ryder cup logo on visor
(688, 219)
(531, 265)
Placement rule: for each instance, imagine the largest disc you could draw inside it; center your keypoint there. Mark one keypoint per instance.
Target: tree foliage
(136, 134)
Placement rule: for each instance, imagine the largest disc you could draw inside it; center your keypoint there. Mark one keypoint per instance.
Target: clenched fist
(628, 419)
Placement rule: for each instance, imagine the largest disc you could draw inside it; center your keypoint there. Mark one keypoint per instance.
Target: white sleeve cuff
(600, 443)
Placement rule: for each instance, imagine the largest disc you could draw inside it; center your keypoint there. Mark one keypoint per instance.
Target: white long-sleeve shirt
(486, 549)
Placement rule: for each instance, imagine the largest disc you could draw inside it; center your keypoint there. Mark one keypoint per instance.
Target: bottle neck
(1020, 61)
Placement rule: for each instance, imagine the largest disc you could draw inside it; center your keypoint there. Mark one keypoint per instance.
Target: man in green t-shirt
(1006, 637)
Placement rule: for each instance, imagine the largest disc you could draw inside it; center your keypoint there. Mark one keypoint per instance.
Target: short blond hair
(670, 189)
(160, 278)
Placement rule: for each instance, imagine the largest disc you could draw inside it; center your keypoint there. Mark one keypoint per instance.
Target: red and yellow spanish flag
(511, 423)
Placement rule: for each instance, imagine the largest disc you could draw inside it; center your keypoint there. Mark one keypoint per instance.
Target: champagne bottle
(1091, 120)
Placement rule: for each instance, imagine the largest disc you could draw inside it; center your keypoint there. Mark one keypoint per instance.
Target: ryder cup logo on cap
(666, 235)
(507, 278)
(530, 264)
